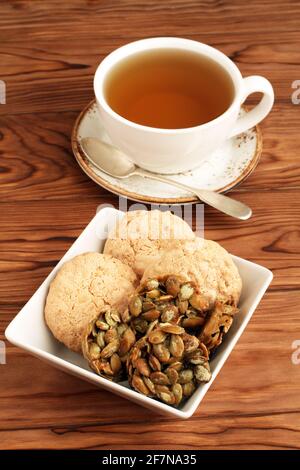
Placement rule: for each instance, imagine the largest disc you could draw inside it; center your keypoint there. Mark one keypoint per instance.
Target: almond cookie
(140, 237)
(204, 262)
(82, 288)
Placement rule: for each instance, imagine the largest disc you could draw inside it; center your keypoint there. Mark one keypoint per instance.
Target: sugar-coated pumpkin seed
(152, 284)
(186, 291)
(202, 374)
(169, 313)
(183, 305)
(191, 343)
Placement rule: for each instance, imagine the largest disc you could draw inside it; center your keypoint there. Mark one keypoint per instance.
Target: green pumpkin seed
(159, 378)
(177, 392)
(100, 339)
(102, 325)
(185, 376)
(115, 363)
(135, 306)
(151, 315)
(94, 351)
(153, 294)
(148, 305)
(176, 346)
(200, 302)
(161, 352)
(143, 367)
(154, 363)
(110, 349)
(188, 389)
(167, 397)
(140, 325)
(139, 384)
(156, 337)
(183, 306)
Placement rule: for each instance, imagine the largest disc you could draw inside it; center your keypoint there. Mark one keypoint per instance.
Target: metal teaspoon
(114, 162)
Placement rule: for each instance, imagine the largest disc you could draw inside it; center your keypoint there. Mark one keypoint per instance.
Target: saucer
(227, 167)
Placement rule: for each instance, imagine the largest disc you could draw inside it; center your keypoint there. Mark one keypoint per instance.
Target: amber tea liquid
(169, 88)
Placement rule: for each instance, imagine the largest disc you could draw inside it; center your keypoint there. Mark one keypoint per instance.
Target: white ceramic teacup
(178, 150)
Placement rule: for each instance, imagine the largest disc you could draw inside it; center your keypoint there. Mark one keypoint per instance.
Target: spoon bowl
(107, 158)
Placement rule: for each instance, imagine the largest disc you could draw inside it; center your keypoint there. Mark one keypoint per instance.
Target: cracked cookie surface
(140, 237)
(83, 287)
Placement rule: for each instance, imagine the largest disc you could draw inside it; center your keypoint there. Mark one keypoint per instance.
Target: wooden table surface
(48, 54)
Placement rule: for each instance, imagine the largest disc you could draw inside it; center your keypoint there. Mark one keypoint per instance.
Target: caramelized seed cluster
(217, 325)
(167, 300)
(107, 343)
(162, 342)
(168, 364)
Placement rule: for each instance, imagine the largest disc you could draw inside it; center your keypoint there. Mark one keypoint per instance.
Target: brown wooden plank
(263, 432)
(42, 77)
(37, 160)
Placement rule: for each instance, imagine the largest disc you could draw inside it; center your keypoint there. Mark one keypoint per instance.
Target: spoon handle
(218, 201)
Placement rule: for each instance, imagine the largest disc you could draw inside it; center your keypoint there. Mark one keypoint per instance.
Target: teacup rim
(161, 42)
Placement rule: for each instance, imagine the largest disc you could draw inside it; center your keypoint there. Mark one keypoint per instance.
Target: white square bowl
(29, 331)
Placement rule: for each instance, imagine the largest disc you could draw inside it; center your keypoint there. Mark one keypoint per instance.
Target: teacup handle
(254, 84)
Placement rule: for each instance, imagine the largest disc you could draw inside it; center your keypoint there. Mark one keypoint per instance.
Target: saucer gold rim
(82, 162)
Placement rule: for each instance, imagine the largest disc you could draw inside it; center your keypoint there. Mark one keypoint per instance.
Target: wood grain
(48, 54)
